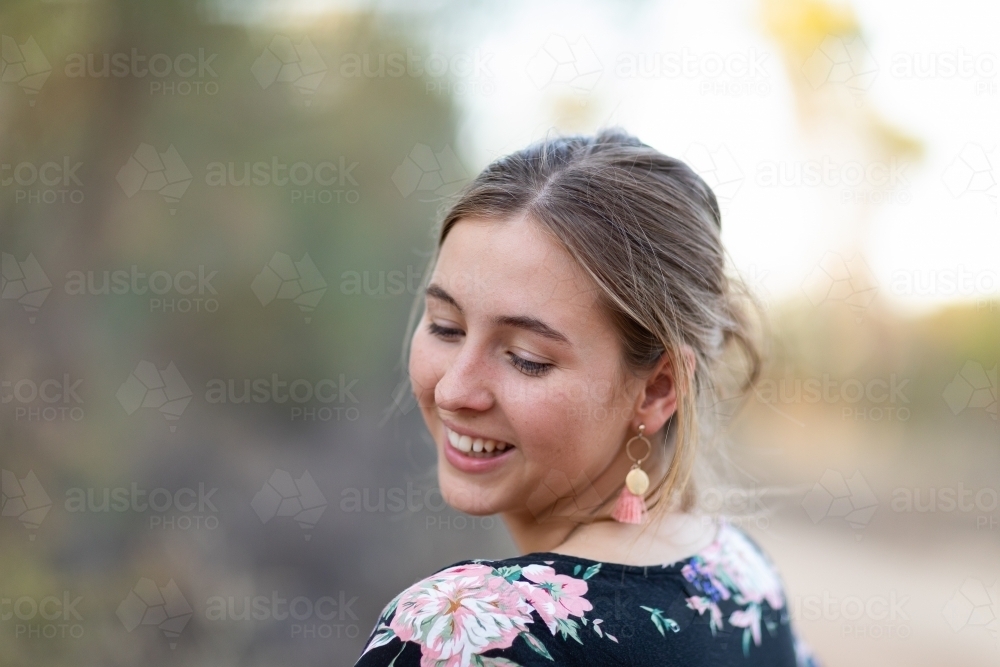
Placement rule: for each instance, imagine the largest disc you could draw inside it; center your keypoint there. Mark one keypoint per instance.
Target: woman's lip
(468, 464)
(461, 460)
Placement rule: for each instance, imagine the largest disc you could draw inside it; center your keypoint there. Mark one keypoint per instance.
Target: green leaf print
(381, 639)
(568, 628)
(511, 573)
(486, 661)
(661, 622)
(536, 645)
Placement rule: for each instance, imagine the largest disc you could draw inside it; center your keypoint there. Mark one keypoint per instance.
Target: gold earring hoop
(631, 505)
(637, 480)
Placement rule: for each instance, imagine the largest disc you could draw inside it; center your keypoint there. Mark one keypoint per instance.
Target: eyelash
(532, 368)
(443, 332)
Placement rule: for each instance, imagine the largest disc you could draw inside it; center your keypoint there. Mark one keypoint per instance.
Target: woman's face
(514, 358)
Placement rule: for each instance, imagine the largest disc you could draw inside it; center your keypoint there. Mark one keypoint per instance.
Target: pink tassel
(630, 508)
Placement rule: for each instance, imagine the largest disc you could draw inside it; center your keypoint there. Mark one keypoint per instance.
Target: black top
(723, 606)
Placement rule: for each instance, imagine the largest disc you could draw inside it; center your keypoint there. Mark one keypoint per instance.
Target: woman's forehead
(510, 261)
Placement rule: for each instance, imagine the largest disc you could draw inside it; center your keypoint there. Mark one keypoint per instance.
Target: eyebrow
(525, 322)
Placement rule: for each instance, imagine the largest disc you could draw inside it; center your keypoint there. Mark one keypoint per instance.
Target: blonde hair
(646, 228)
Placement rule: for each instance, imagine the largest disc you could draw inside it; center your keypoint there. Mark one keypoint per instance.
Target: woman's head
(578, 290)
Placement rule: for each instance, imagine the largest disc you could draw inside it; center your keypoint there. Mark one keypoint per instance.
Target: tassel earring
(631, 505)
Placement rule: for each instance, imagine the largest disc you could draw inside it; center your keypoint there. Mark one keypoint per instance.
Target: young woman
(574, 322)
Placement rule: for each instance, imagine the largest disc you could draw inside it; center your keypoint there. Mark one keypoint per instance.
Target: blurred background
(215, 216)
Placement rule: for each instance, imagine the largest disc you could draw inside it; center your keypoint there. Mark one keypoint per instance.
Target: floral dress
(722, 606)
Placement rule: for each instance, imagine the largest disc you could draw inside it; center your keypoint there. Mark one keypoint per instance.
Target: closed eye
(446, 333)
(532, 368)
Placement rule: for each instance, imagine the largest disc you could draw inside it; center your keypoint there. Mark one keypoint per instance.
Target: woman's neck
(534, 534)
(666, 537)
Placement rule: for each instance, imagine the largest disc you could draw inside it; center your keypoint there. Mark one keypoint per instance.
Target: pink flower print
(753, 575)
(701, 605)
(555, 596)
(702, 575)
(460, 613)
(541, 601)
(748, 618)
(733, 559)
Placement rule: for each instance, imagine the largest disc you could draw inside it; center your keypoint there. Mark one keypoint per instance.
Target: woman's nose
(464, 384)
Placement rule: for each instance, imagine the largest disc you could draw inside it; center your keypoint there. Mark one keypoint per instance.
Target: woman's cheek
(528, 396)
(424, 371)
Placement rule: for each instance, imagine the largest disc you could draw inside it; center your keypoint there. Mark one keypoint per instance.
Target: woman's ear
(657, 401)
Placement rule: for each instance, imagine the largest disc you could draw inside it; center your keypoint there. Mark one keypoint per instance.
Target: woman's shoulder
(541, 607)
(519, 611)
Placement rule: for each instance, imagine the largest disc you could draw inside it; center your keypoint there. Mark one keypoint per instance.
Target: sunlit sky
(932, 237)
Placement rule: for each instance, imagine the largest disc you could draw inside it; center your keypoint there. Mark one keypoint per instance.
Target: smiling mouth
(477, 448)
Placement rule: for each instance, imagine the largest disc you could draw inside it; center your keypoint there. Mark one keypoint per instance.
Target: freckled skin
(569, 424)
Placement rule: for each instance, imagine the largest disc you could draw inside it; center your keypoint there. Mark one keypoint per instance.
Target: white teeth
(475, 448)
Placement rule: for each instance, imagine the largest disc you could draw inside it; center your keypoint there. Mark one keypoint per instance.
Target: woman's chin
(470, 498)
